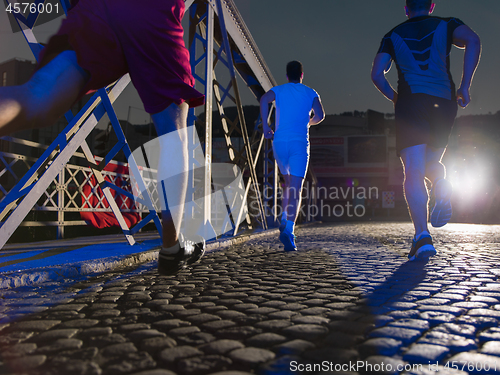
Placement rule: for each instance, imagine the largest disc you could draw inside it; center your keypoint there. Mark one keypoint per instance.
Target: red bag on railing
(96, 199)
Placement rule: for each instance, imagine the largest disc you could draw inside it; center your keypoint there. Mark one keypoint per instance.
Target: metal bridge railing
(47, 184)
(76, 191)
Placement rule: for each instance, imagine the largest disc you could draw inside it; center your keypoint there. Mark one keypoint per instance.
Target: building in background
(353, 156)
(16, 71)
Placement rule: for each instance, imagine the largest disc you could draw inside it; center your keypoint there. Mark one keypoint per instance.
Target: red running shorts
(140, 37)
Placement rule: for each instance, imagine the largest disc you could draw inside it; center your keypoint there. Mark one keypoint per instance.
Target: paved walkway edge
(96, 266)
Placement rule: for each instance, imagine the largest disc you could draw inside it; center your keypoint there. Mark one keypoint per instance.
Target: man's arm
(319, 112)
(381, 65)
(265, 100)
(464, 37)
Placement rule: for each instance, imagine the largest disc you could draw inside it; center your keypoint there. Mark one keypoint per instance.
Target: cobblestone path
(348, 302)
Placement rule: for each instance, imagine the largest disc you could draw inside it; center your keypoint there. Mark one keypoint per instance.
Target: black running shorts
(424, 119)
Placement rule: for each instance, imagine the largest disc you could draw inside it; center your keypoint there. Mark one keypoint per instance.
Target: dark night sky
(336, 40)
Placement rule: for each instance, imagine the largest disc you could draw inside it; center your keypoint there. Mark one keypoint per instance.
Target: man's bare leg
(49, 93)
(414, 163)
(171, 126)
(173, 169)
(416, 195)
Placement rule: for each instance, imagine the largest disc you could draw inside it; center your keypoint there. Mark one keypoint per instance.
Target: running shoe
(288, 239)
(422, 248)
(441, 212)
(190, 252)
(198, 243)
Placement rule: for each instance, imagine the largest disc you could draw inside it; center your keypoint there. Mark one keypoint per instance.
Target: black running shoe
(190, 253)
(422, 249)
(198, 243)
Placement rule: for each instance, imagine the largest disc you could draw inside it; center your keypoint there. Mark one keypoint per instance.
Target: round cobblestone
(305, 331)
(251, 356)
(379, 346)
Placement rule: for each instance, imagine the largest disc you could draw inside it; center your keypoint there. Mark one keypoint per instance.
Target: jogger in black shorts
(425, 106)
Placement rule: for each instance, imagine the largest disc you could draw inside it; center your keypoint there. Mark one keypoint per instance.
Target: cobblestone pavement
(348, 302)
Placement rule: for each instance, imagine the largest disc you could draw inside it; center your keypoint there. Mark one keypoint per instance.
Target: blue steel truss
(15, 206)
(236, 51)
(222, 41)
